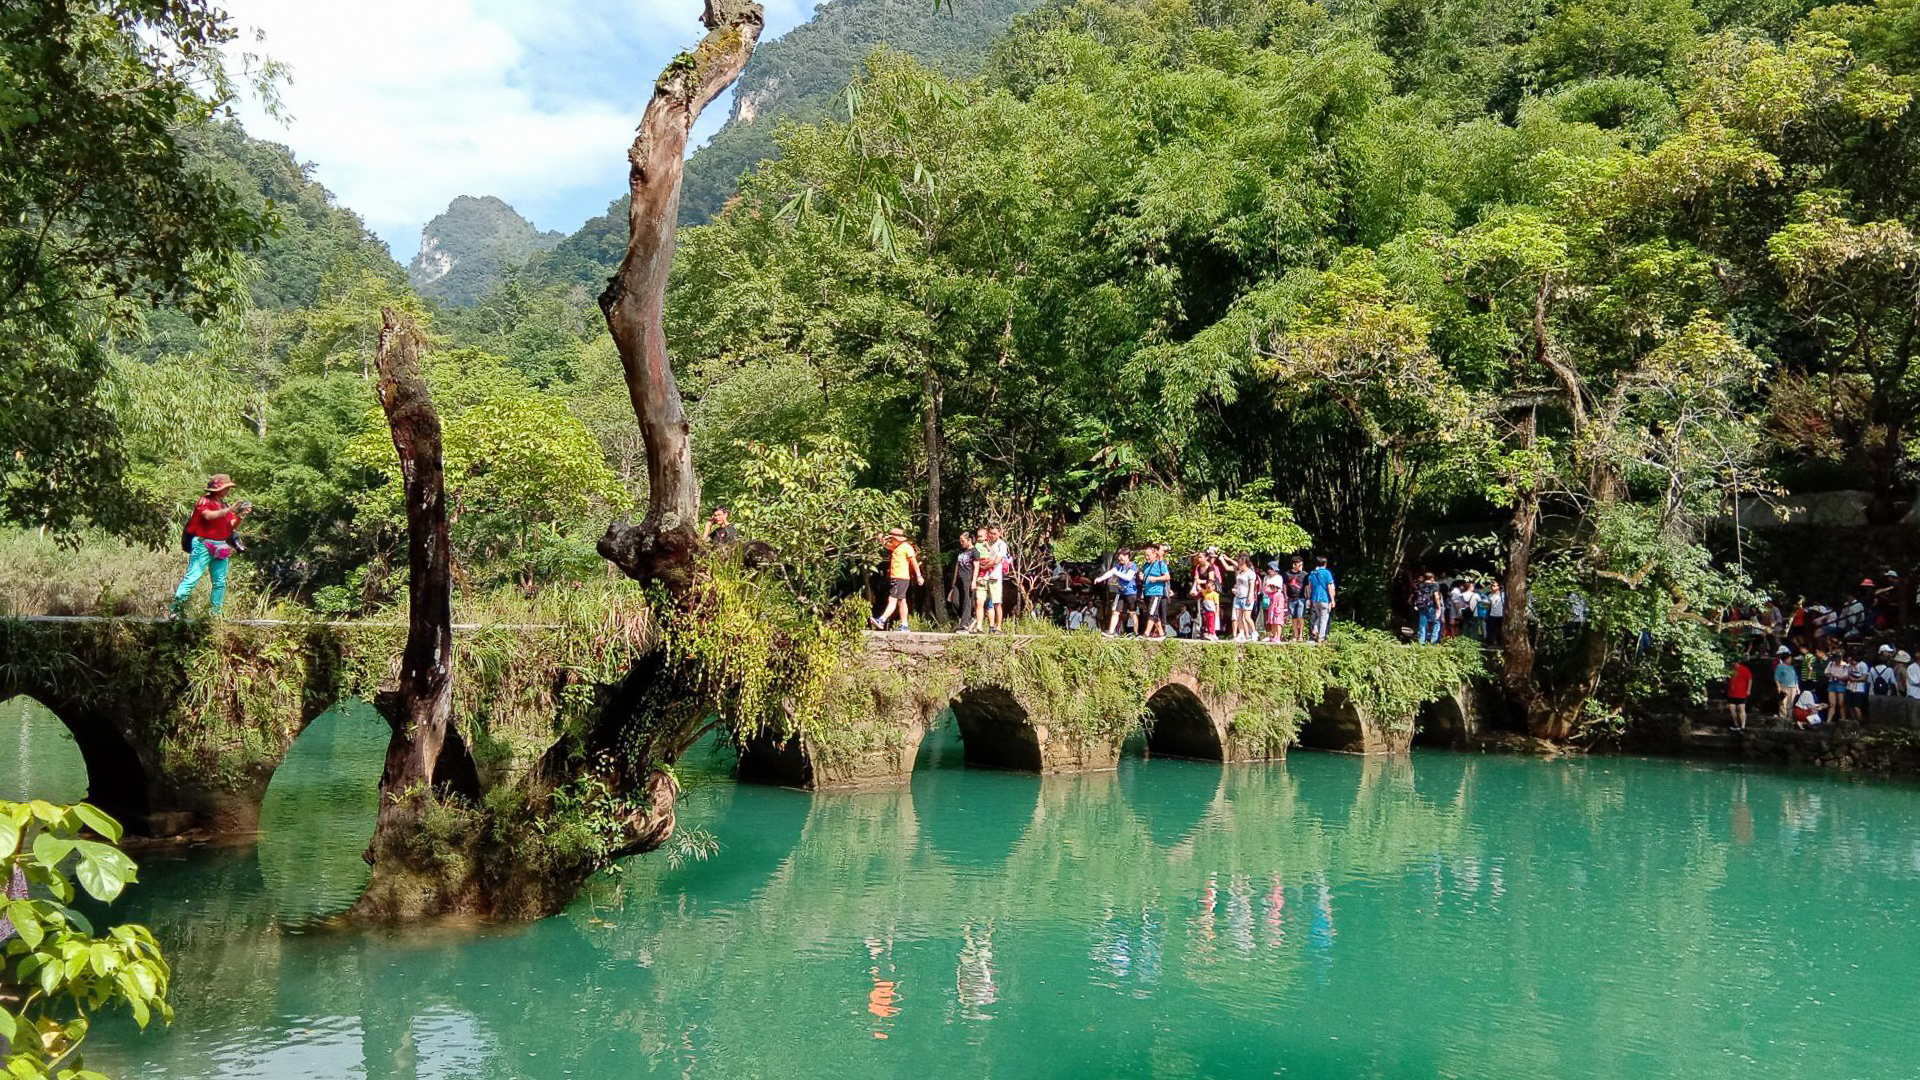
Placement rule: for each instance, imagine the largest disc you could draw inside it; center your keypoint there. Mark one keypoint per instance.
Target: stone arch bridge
(1053, 704)
(182, 724)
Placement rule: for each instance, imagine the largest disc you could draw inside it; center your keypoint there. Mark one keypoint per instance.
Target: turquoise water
(1448, 916)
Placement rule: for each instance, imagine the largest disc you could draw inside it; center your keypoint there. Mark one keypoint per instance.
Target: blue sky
(403, 104)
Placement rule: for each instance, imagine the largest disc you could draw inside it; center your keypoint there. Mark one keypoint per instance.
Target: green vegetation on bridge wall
(1093, 691)
(195, 716)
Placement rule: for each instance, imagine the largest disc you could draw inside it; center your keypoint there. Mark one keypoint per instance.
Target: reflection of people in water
(1115, 947)
(886, 991)
(1276, 910)
(1127, 955)
(973, 977)
(1146, 965)
(1240, 913)
(1742, 814)
(1320, 931)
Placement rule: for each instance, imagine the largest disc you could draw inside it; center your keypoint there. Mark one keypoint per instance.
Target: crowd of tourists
(1211, 596)
(1461, 607)
(1815, 664)
(1151, 593)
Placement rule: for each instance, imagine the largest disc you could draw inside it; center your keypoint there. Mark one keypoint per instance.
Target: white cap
(1885, 649)
(1783, 651)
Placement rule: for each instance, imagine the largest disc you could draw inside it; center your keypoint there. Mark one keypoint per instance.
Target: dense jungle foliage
(1523, 283)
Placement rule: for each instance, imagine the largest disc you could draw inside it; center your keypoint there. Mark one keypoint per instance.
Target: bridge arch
(117, 781)
(995, 730)
(1181, 725)
(1335, 724)
(1443, 723)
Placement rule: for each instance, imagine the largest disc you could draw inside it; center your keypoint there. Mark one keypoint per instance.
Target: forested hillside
(797, 76)
(471, 247)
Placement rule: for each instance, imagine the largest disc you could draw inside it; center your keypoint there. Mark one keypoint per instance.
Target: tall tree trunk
(425, 755)
(936, 452)
(1516, 637)
(662, 546)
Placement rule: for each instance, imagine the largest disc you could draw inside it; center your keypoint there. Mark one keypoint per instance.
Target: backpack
(186, 540)
(1885, 683)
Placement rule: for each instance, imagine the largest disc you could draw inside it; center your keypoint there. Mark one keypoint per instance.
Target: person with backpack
(1886, 678)
(1429, 605)
(210, 542)
(1123, 583)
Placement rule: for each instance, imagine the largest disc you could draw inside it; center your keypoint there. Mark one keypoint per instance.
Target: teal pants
(197, 568)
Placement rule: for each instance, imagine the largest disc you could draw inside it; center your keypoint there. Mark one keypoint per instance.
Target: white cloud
(404, 104)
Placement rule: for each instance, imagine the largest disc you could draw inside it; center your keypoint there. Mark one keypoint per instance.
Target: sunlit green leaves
(62, 970)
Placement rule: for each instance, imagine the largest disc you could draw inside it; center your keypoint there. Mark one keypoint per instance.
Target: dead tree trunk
(661, 547)
(425, 755)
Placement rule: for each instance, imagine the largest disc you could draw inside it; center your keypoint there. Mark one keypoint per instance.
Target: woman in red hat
(209, 541)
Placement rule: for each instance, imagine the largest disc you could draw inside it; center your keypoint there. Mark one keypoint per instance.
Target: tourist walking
(986, 591)
(1427, 610)
(1154, 579)
(961, 596)
(1297, 599)
(903, 572)
(1885, 680)
(1322, 594)
(209, 541)
(1123, 586)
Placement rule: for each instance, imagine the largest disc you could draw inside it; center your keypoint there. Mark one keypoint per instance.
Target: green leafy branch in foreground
(54, 971)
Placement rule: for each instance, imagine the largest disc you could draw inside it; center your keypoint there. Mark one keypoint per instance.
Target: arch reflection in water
(970, 818)
(319, 813)
(39, 758)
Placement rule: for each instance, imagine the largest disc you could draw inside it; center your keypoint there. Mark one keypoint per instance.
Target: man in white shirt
(1470, 611)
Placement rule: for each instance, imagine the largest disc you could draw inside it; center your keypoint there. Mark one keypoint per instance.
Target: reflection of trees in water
(38, 756)
(1293, 895)
(318, 814)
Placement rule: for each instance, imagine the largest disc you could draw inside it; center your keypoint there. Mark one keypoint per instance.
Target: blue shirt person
(1321, 593)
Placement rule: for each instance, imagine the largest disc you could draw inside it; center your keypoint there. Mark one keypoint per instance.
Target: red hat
(1867, 584)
